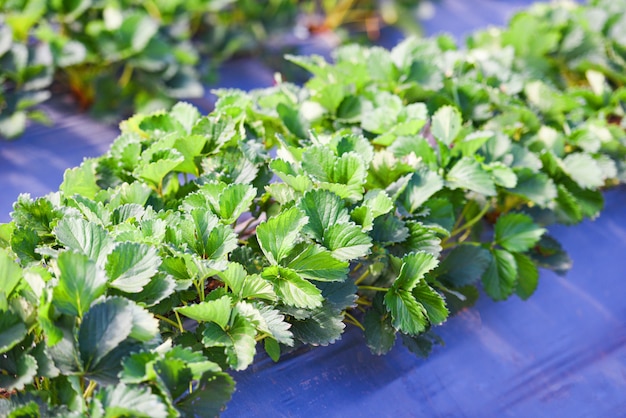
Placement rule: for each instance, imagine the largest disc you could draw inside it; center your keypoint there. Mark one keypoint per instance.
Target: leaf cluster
(115, 56)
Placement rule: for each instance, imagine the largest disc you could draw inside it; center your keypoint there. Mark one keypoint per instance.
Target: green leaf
(237, 339)
(431, 301)
(550, 255)
(190, 147)
(10, 273)
(468, 174)
(277, 235)
(130, 266)
(527, 276)
(81, 180)
(235, 200)
(464, 265)
(408, 315)
(323, 209)
(275, 325)
(161, 163)
(423, 184)
(584, 170)
(217, 311)
(186, 114)
(346, 241)
(246, 286)
(12, 330)
(446, 124)
(81, 282)
(103, 328)
(175, 375)
(85, 237)
(272, 348)
(380, 335)
(537, 187)
(127, 400)
(389, 229)
(500, 278)
(324, 327)
(502, 175)
(316, 263)
(414, 267)
(292, 289)
(209, 397)
(517, 232)
(16, 372)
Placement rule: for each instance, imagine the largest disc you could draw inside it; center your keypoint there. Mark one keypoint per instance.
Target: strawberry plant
(383, 194)
(117, 56)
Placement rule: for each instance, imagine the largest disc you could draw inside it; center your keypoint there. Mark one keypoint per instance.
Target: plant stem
(180, 324)
(169, 321)
(362, 277)
(374, 288)
(90, 389)
(354, 321)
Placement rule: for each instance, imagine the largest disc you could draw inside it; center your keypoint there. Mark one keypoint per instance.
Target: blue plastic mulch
(562, 353)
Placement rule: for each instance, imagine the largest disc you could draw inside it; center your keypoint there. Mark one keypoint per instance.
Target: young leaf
(130, 266)
(216, 311)
(414, 267)
(468, 174)
(80, 283)
(323, 209)
(292, 289)
(246, 286)
(127, 400)
(346, 241)
(277, 236)
(446, 124)
(408, 315)
(517, 232)
(431, 301)
(85, 237)
(235, 200)
(316, 263)
(10, 273)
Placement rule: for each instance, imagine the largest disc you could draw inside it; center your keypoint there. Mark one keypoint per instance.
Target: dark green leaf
(517, 232)
(500, 278)
(464, 265)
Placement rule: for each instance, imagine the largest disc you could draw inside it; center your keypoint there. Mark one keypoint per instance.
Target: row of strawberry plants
(118, 56)
(382, 195)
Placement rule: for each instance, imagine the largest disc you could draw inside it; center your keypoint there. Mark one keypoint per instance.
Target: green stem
(169, 321)
(374, 288)
(354, 321)
(362, 277)
(180, 323)
(469, 224)
(90, 389)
